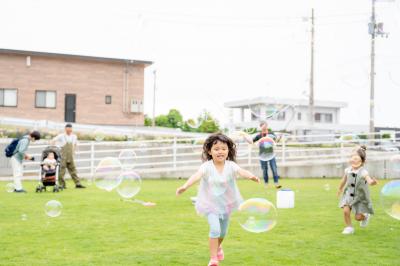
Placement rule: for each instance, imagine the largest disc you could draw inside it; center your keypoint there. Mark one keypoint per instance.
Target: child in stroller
(49, 163)
(49, 169)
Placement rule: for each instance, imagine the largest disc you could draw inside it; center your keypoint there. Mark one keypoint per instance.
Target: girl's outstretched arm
(192, 180)
(341, 186)
(248, 175)
(371, 181)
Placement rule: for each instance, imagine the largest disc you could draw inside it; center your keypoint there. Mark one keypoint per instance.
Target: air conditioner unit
(141, 110)
(136, 106)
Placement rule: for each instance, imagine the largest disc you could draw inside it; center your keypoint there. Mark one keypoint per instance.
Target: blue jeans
(218, 225)
(274, 168)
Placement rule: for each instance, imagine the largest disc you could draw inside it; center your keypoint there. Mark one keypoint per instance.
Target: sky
(211, 51)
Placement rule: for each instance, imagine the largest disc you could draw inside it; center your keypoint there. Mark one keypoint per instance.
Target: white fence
(167, 157)
(110, 130)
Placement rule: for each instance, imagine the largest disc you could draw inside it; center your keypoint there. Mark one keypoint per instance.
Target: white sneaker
(365, 222)
(348, 230)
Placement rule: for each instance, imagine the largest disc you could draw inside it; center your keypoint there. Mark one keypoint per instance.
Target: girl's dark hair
(361, 151)
(213, 139)
(35, 134)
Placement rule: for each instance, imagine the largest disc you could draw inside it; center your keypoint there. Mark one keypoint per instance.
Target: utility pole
(374, 29)
(372, 73)
(154, 98)
(311, 96)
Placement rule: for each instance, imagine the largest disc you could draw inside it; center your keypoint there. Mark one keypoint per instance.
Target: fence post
(283, 149)
(91, 158)
(341, 148)
(174, 149)
(249, 149)
(384, 169)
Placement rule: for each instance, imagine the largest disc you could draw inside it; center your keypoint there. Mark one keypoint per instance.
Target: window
(298, 116)
(317, 117)
(328, 118)
(8, 97)
(323, 117)
(281, 116)
(108, 99)
(45, 99)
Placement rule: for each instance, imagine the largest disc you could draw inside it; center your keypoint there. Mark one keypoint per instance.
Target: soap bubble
(395, 162)
(327, 187)
(130, 184)
(266, 146)
(198, 144)
(265, 111)
(10, 187)
(130, 137)
(194, 123)
(390, 198)
(107, 175)
(99, 135)
(242, 140)
(53, 208)
(127, 158)
(257, 215)
(251, 130)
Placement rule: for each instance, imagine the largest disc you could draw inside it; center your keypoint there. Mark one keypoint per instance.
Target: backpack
(10, 149)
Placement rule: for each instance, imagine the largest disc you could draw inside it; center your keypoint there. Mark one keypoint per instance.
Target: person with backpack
(16, 151)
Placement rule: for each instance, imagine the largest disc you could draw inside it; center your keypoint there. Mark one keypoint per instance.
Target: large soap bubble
(266, 146)
(257, 215)
(130, 184)
(390, 198)
(127, 158)
(242, 140)
(53, 208)
(107, 175)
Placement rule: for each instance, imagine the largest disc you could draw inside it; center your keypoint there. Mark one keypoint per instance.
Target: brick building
(71, 88)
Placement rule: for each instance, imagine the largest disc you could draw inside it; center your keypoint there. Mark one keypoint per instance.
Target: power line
(236, 21)
(252, 18)
(392, 80)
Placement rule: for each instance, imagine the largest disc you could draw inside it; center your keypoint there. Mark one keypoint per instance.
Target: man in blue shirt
(19, 156)
(272, 162)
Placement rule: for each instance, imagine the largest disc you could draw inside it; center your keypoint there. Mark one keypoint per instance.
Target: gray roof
(84, 57)
(285, 101)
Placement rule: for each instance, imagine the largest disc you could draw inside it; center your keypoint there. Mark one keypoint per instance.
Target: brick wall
(90, 80)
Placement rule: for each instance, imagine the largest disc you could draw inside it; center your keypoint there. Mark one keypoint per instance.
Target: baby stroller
(49, 178)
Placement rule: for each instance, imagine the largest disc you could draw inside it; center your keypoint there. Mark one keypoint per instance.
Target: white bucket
(285, 199)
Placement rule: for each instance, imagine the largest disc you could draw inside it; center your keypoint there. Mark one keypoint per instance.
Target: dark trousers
(274, 168)
(72, 172)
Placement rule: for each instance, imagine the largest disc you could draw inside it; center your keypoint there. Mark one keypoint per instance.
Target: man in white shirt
(67, 141)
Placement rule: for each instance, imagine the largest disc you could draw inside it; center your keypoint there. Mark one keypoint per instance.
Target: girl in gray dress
(355, 196)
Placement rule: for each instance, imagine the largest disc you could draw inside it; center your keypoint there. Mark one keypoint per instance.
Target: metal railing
(176, 154)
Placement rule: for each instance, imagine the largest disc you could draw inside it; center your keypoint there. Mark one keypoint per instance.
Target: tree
(208, 123)
(148, 122)
(204, 123)
(162, 121)
(174, 118)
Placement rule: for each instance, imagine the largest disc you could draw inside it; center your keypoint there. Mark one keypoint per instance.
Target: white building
(294, 116)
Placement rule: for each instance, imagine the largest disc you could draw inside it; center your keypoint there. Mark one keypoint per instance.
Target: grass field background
(97, 228)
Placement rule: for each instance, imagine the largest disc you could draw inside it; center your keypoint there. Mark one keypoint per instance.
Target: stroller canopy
(53, 149)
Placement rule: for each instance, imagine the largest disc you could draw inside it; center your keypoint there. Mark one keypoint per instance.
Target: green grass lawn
(97, 228)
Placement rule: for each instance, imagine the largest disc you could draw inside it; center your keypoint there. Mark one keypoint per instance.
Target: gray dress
(356, 192)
